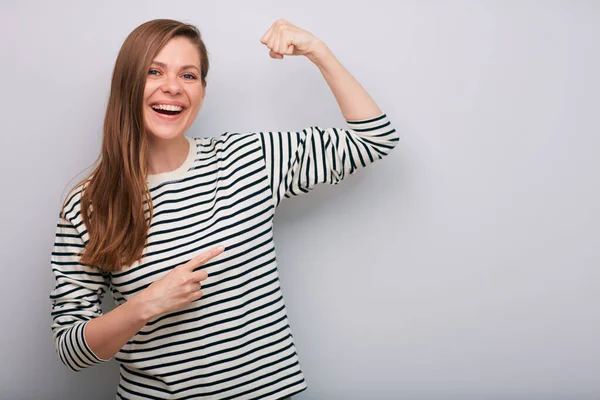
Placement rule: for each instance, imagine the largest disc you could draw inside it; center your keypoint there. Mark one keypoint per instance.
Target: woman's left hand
(284, 38)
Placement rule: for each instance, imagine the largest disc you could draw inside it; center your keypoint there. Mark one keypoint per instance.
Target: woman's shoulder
(70, 209)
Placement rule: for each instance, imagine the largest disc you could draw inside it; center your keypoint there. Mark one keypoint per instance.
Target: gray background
(464, 266)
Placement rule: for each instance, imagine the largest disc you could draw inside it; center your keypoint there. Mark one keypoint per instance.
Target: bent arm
(354, 101)
(108, 333)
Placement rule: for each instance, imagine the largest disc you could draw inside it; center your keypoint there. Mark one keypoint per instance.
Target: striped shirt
(235, 341)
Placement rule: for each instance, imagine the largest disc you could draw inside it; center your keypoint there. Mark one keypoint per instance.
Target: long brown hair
(116, 205)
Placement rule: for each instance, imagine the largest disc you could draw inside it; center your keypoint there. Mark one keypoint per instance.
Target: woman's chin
(162, 128)
(164, 132)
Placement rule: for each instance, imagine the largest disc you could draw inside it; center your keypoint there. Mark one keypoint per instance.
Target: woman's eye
(189, 76)
(152, 72)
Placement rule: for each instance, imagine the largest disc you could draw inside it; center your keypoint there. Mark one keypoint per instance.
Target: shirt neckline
(178, 173)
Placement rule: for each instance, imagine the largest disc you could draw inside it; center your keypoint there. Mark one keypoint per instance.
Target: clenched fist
(284, 38)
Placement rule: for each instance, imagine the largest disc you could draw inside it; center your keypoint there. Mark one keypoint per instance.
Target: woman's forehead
(177, 53)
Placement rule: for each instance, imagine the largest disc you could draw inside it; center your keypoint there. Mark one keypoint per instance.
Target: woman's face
(174, 92)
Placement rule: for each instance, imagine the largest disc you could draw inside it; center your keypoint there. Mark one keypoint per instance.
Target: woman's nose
(171, 85)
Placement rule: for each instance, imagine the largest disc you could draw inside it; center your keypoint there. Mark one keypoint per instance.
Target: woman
(180, 229)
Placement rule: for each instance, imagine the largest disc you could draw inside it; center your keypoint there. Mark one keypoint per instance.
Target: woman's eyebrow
(163, 65)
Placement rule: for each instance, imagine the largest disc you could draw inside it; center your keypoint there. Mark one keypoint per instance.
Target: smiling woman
(173, 96)
(173, 93)
(180, 230)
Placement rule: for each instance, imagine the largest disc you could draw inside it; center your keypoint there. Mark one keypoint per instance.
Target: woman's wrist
(139, 309)
(320, 54)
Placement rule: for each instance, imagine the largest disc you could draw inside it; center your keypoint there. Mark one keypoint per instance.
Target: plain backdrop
(464, 266)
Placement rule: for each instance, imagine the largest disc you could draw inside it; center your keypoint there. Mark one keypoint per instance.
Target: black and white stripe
(235, 342)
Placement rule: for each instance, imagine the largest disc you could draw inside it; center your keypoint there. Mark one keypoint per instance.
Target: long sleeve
(297, 161)
(75, 298)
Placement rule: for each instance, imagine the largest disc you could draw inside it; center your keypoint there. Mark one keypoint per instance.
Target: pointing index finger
(203, 257)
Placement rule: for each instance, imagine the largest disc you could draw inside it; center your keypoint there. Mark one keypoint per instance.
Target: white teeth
(166, 107)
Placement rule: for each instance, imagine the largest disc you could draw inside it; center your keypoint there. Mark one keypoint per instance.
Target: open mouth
(167, 109)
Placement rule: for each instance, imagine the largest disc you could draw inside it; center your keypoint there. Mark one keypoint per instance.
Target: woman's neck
(166, 155)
